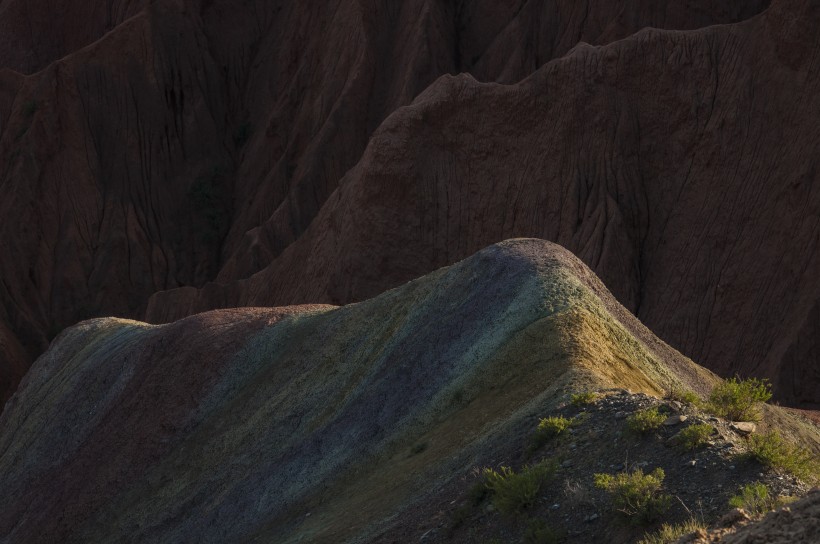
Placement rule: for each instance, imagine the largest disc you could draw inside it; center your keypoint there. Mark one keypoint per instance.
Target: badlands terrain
(168, 157)
(302, 272)
(361, 423)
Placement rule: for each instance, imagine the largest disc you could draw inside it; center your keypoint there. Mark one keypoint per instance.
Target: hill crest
(210, 413)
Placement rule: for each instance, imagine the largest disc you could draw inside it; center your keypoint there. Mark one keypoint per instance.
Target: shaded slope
(164, 144)
(35, 33)
(681, 166)
(234, 424)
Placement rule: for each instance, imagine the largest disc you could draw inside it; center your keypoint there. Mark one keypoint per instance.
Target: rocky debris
(675, 405)
(797, 522)
(700, 481)
(675, 420)
(733, 517)
(743, 427)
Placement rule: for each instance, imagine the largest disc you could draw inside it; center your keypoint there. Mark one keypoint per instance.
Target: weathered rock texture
(169, 144)
(233, 425)
(681, 166)
(798, 522)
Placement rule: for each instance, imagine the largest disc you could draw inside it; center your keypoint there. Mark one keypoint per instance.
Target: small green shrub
(755, 499)
(668, 534)
(645, 421)
(538, 532)
(739, 400)
(548, 428)
(684, 395)
(635, 494)
(694, 436)
(773, 451)
(583, 399)
(512, 492)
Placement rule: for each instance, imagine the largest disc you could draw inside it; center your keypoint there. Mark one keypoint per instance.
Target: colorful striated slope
(235, 424)
(155, 145)
(680, 166)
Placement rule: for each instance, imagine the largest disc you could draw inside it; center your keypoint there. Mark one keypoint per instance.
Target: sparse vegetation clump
(548, 428)
(694, 436)
(756, 499)
(739, 400)
(513, 492)
(685, 396)
(637, 495)
(583, 399)
(668, 534)
(773, 451)
(577, 494)
(645, 421)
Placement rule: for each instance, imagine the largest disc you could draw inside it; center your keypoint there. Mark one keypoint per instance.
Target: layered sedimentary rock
(679, 165)
(167, 144)
(201, 138)
(233, 425)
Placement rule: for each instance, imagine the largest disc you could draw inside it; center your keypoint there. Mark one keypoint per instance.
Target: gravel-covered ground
(700, 482)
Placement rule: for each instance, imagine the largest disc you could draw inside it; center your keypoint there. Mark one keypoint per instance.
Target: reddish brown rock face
(656, 159)
(169, 145)
(35, 33)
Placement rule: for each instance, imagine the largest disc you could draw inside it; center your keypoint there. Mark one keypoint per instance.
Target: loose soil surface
(798, 522)
(700, 482)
